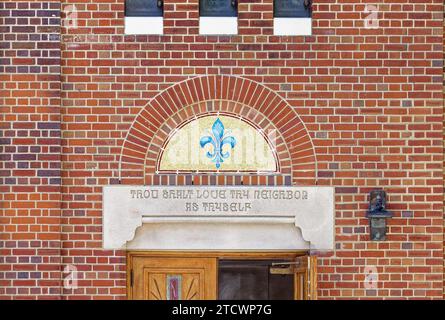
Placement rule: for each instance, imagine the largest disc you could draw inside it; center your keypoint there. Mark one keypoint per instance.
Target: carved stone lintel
(312, 213)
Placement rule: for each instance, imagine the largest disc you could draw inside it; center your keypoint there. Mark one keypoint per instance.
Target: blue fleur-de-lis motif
(217, 138)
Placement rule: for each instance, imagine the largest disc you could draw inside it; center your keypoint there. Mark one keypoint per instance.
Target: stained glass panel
(219, 143)
(174, 284)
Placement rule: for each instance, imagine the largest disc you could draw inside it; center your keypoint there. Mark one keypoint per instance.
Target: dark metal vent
(218, 8)
(144, 8)
(292, 8)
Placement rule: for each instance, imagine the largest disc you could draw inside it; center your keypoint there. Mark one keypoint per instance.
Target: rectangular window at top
(143, 8)
(292, 17)
(218, 8)
(144, 16)
(218, 17)
(292, 8)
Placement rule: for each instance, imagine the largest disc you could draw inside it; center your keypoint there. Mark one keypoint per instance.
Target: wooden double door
(211, 276)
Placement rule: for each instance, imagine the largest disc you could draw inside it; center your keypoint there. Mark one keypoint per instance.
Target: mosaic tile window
(219, 143)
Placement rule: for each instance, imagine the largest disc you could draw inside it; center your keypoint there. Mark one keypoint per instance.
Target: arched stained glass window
(219, 143)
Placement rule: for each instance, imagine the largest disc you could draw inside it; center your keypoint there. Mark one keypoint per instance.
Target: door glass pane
(281, 286)
(251, 280)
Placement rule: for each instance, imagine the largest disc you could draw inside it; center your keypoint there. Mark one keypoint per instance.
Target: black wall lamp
(377, 215)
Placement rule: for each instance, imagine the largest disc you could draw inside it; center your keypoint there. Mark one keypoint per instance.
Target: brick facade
(444, 133)
(356, 109)
(30, 234)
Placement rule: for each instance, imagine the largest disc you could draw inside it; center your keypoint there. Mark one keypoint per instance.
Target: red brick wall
(444, 130)
(371, 100)
(30, 150)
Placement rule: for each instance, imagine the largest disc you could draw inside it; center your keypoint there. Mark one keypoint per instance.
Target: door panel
(305, 277)
(187, 277)
(158, 278)
(171, 284)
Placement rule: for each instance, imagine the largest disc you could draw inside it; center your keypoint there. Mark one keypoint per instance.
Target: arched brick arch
(219, 107)
(209, 94)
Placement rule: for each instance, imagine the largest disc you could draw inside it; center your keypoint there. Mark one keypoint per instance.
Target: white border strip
(144, 25)
(292, 26)
(218, 25)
